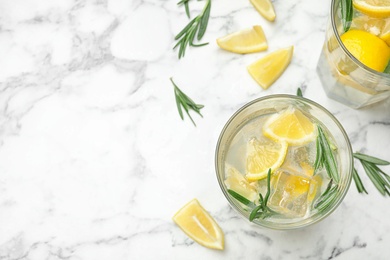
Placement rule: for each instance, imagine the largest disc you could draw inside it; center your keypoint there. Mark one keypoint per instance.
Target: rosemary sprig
(326, 155)
(186, 6)
(378, 177)
(346, 13)
(261, 210)
(182, 100)
(195, 28)
(325, 158)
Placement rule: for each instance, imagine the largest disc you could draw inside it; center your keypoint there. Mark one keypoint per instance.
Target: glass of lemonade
(281, 135)
(346, 79)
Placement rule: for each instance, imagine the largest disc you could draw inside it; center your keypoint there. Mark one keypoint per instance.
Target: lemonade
(354, 64)
(272, 152)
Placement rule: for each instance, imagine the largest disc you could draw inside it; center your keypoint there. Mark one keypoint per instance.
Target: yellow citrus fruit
(236, 181)
(264, 154)
(265, 8)
(369, 49)
(268, 69)
(244, 41)
(291, 126)
(196, 222)
(375, 8)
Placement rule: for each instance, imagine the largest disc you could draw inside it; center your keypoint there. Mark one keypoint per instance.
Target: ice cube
(301, 159)
(289, 193)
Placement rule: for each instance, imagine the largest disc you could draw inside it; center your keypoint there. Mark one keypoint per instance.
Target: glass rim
(302, 223)
(345, 50)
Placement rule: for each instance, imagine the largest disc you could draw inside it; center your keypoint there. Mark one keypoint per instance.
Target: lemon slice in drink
(264, 154)
(265, 8)
(268, 69)
(196, 222)
(375, 8)
(236, 181)
(244, 41)
(291, 126)
(369, 49)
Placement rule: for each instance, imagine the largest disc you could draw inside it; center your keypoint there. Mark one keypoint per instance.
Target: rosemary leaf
(204, 20)
(358, 182)
(268, 188)
(370, 159)
(329, 161)
(319, 156)
(325, 201)
(372, 175)
(299, 92)
(255, 212)
(346, 13)
(240, 198)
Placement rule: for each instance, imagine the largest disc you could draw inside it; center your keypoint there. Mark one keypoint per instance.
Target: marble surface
(94, 159)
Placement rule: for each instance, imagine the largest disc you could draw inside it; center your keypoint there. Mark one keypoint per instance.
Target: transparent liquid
(294, 191)
(342, 78)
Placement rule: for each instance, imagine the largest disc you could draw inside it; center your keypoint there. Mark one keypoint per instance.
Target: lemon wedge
(236, 181)
(244, 41)
(375, 8)
(262, 155)
(369, 49)
(268, 69)
(196, 222)
(291, 126)
(265, 8)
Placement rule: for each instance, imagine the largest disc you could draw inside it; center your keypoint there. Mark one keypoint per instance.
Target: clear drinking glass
(343, 77)
(243, 124)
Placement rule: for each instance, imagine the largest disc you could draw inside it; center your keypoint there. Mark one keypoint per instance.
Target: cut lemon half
(265, 8)
(268, 69)
(196, 222)
(375, 8)
(369, 49)
(244, 41)
(236, 181)
(262, 155)
(291, 126)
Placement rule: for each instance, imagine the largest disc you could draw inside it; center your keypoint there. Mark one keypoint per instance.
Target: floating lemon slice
(375, 8)
(244, 41)
(269, 68)
(369, 49)
(236, 181)
(291, 126)
(265, 8)
(194, 220)
(264, 154)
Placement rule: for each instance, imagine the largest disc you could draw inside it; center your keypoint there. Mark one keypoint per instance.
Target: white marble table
(94, 159)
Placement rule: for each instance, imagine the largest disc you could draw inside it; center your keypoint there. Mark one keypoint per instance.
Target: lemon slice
(244, 41)
(291, 126)
(237, 182)
(268, 69)
(375, 8)
(265, 8)
(369, 49)
(194, 220)
(262, 155)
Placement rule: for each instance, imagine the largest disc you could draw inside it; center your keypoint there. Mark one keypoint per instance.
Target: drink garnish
(378, 177)
(346, 13)
(182, 100)
(195, 28)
